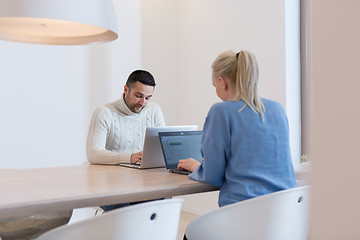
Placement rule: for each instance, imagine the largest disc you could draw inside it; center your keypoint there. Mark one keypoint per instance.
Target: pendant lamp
(58, 22)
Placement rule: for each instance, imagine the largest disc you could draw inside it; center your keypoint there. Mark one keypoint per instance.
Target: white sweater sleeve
(96, 142)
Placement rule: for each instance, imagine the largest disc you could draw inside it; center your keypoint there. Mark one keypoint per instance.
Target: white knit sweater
(116, 132)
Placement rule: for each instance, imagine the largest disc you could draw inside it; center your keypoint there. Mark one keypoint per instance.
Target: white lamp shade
(58, 22)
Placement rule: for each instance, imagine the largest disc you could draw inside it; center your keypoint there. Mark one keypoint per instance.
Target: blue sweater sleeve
(215, 148)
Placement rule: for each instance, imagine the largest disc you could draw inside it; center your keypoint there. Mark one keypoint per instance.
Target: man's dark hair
(140, 76)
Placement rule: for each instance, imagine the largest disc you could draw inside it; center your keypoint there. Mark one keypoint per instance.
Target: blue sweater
(243, 155)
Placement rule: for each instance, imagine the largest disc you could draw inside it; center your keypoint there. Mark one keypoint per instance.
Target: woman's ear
(223, 83)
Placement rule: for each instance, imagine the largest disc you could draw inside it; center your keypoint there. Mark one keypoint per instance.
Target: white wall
(43, 95)
(335, 117)
(48, 93)
(180, 39)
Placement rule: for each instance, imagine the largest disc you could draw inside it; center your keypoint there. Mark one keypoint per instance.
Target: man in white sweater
(117, 129)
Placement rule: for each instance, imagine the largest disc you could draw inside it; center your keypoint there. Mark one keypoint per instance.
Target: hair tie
(237, 55)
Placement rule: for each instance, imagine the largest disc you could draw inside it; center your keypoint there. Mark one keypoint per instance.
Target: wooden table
(33, 191)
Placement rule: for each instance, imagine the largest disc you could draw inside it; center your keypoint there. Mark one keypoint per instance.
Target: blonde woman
(245, 142)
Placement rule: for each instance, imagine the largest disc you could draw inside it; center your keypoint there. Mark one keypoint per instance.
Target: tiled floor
(185, 219)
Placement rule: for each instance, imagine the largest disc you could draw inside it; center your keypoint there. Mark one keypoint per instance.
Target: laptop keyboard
(179, 171)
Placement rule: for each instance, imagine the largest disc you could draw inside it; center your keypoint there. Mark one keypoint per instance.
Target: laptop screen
(180, 145)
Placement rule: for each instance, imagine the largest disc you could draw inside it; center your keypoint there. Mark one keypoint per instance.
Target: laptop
(152, 153)
(180, 145)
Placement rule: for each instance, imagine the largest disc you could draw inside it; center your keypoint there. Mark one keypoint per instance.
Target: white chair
(150, 220)
(282, 215)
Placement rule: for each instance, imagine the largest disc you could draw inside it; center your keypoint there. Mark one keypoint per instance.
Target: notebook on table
(180, 145)
(152, 153)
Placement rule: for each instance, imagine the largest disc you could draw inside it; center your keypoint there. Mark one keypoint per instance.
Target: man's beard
(133, 107)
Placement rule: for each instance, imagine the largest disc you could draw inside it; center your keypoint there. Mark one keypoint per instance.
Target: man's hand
(189, 164)
(136, 157)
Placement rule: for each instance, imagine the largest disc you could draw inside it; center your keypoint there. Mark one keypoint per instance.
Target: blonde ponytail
(242, 69)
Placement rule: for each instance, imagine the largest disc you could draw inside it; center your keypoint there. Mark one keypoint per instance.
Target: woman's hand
(136, 157)
(189, 164)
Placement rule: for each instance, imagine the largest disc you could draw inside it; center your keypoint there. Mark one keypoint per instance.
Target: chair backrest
(282, 215)
(151, 220)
